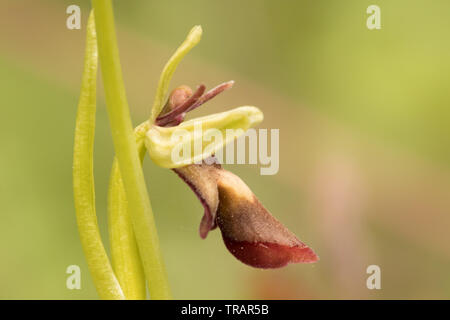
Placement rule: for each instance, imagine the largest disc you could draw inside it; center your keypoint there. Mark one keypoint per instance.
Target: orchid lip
(268, 255)
(249, 231)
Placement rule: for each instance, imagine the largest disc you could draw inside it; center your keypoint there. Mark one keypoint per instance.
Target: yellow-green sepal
(199, 138)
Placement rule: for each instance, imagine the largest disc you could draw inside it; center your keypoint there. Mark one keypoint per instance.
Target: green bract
(191, 40)
(102, 273)
(197, 139)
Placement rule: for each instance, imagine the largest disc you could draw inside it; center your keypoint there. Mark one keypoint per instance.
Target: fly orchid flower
(249, 231)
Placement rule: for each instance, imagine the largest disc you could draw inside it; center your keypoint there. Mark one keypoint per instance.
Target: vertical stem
(125, 146)
(125, 258)
(83, 177)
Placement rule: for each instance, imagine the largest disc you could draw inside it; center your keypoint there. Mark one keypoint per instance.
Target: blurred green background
(364, 142)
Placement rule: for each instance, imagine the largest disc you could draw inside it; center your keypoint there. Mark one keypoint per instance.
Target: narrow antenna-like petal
(168, 117)
(211, 94)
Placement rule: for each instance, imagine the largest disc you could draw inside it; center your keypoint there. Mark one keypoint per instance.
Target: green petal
(197, 139)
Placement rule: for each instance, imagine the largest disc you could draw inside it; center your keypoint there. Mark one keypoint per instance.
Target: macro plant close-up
(249, 231)
(212, 157)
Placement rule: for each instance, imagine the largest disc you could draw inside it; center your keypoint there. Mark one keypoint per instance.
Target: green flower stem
(125, 256)
(126, 150)
(83, 177)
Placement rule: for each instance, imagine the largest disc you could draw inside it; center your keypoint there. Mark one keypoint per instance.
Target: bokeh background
(364, 123)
